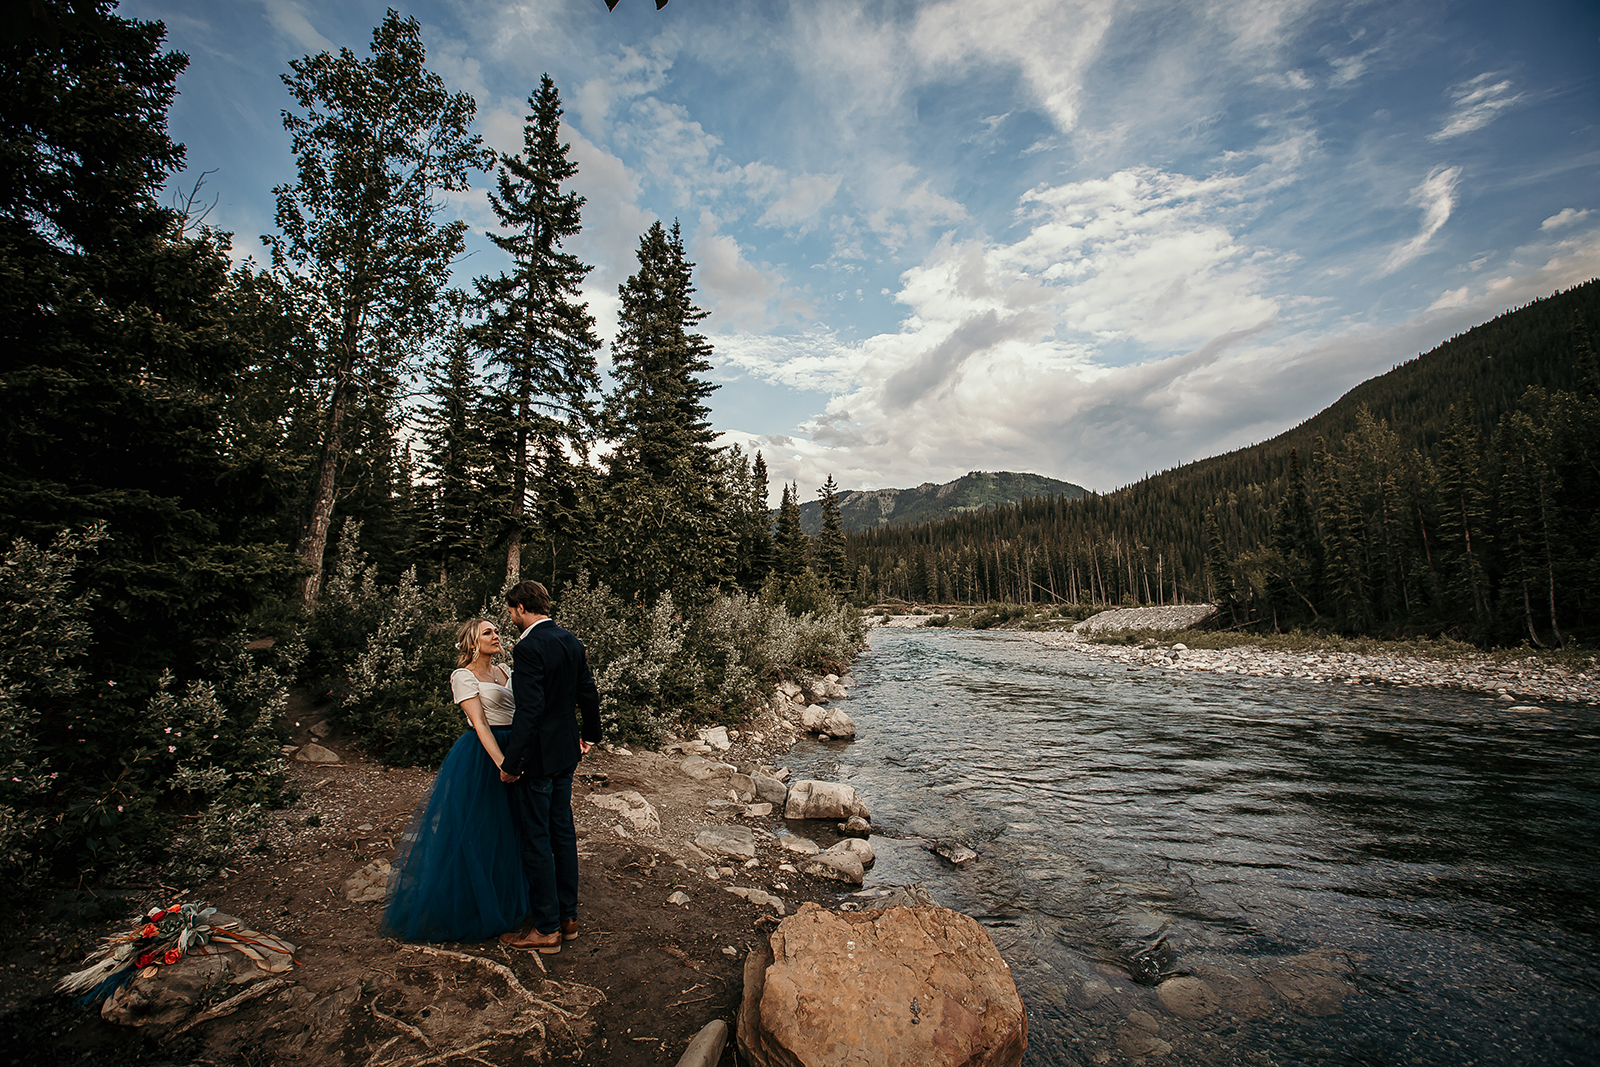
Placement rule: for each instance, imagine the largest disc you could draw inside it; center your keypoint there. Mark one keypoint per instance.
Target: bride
(458, 873)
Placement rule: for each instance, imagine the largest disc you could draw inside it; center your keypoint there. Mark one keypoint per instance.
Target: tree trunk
(319, 517)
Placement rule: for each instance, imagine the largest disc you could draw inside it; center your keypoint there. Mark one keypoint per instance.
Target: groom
(551, 682)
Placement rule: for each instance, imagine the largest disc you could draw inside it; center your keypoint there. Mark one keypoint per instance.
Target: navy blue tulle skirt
(458, 874)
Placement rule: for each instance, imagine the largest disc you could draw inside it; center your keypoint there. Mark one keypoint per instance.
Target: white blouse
(498, 704)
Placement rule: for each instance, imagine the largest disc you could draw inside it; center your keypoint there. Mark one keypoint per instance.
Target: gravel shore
(1530, 679)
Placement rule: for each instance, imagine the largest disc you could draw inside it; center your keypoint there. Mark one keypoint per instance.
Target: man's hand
(584, 746)
(509, 778)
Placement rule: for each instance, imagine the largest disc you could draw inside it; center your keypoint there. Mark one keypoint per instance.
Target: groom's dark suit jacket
(551, 682)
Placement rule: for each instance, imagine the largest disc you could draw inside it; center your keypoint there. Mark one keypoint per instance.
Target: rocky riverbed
(1530, 679)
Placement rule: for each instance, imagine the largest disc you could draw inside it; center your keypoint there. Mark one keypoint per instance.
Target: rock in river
(811, 799)
(904, 987)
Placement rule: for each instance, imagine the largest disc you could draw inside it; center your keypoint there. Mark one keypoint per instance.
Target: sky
(1090, 239)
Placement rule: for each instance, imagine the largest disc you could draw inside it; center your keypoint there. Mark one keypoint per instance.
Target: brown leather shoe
(546, 944)
(569, 930)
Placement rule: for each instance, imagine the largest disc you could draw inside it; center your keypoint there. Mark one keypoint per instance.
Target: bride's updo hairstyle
(467, 640)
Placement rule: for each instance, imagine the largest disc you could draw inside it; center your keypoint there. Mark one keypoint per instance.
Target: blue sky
(1090, 239)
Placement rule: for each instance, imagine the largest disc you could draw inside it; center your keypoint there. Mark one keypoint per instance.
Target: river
(1358, 875)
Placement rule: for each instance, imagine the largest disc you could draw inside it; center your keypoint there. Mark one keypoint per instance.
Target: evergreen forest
(223, 480)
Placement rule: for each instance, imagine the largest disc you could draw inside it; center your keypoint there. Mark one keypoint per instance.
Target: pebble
(1517, 682)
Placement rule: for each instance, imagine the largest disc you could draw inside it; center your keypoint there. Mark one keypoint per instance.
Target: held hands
(508, 778)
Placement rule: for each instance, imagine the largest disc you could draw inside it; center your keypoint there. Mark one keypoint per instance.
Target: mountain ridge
(864, 509)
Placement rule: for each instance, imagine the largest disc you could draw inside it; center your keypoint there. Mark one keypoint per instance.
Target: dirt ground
(642, 978)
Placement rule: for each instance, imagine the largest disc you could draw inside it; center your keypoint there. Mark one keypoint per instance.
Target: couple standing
(494, 842)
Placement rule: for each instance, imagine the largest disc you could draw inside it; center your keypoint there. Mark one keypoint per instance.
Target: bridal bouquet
(162, 938)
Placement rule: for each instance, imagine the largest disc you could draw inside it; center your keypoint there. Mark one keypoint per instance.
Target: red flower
(172, 956)
(149, 930)
(144, 961)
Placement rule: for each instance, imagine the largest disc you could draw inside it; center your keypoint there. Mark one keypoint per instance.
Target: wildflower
(172, 748)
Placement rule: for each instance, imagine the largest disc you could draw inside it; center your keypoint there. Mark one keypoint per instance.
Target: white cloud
(1475, 104)
(1052, 44)
(805, 195)
(290, 19)
(1565, 217)
(735, 291)
(1436, 195)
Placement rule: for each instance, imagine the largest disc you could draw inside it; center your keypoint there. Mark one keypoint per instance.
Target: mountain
(871, 508)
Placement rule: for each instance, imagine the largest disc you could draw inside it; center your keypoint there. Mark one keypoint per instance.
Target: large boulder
(811, 799)
(903, 987)
(769, 788)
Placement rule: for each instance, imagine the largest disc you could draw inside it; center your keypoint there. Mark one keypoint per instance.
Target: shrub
(108, 775)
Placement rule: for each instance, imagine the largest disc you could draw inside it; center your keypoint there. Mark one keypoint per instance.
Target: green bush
(109, 776)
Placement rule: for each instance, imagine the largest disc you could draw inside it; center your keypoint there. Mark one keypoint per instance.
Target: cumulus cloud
(1475, 104)
(1563, 218)
(1436, 195)
(1046, 406)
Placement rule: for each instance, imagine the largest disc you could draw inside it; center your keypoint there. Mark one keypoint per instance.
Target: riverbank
(1564, 678)
(645, 974)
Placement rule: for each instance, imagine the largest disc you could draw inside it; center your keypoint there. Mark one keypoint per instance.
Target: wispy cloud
(291, 20)
(1436, 195)
(1475, 104)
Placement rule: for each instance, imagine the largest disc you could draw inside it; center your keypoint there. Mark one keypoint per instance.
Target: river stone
(909, 896)
(811, 799)
(957, 854)
(837, 724)
(369, 883)
(744, 785)
(635, 810)
(321, 728)
(860, 848)
(728, 840)
(812, 717)
(803, 845)
(768, 788)
(756, 811)
(679, 898)
(704, 769)
(315, 753)
(1188, 997)
(790, 691)
(856, 826)
(906, 987)
(840, 866)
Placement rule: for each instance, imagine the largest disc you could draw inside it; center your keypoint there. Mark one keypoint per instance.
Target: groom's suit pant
(541, 808)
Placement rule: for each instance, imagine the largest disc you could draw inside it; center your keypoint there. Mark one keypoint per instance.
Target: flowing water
(1359, 875)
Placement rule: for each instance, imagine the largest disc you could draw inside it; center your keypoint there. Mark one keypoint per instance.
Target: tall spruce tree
(117, 347)
(454, 458)
(830, 553)
(662, 519)
(536, 329)
(360, 245)
(790, 543)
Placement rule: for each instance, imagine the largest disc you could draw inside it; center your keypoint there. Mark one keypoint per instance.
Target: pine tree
(663, 520)
(116, 349)
(831, 561)
(360, 247)
(1463, 518)
(790, 543)
(537, 330)
(454, 457)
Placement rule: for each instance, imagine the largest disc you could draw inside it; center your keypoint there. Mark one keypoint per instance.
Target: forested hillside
(871, 508)
(1457, 492)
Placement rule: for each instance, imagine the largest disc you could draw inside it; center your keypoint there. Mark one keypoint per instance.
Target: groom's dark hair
(530, 596)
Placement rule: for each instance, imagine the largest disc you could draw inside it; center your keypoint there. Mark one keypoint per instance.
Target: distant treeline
(1457, 494)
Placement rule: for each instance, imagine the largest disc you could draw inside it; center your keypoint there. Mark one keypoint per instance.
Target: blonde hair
(467, 640)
